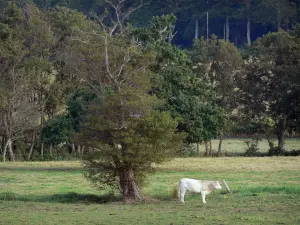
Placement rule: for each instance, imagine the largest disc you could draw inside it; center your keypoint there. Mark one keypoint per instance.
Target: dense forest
(78, 74)
(238, 21)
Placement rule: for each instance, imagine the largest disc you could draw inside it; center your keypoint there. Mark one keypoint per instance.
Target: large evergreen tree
(122, 129)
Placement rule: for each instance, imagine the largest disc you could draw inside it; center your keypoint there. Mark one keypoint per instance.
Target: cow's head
(217, 185)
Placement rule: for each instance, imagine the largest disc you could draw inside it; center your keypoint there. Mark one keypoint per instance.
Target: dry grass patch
(56, 165)
(232, 164)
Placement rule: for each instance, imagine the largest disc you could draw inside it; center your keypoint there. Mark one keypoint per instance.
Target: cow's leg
(203, 196)
(182, 193)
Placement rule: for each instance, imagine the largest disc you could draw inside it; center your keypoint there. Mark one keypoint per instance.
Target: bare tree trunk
(73, 148)
(281, 131)
(198, 149)
(298, 12)
(51, 149)
(278, 24)
(206, 148)
(270, 142)
(42, 120)
(220, 145)
(42, 150)
(197, 28)
(248, 31)
(4, 151)
(32, 146)
(128, 186)
(227, 29)
(207, 28)
(10, 151)
(78, 150)
(210, 148)
(8, 145)
(82, 150)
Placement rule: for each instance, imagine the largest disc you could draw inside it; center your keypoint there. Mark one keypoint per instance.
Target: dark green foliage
(45, 54)
(293, 153)
(271, 85)
(77, 106)
(252, 147)
(57, 131)
(157, 31)
(187, 96)
(148, 139)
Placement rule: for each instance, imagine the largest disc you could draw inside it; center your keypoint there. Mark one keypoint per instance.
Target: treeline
(238, 21)
(72, 83)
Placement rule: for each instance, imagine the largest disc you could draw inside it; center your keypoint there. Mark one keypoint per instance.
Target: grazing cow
(196, 186)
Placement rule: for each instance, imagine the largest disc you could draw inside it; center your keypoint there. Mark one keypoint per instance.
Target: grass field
(265, 191)
(237, 145)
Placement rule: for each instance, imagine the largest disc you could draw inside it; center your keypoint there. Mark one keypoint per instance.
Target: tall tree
(187, 96)
(122, 128)
(245, 12)
(219, 61)
(226, 9)
(18, 110)
(270, 87)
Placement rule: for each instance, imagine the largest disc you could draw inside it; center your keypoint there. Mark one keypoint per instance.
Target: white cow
(196, 186)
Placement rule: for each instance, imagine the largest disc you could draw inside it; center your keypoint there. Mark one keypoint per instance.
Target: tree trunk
(220, 145)
(206, 148)
(128, 186)
(7, 133)
(32, 146)
(198, 149)
(8, 146)
(73, 148)
(82, 150)
(4, 151)
(42, 120)
(79, 150)
(270, 142)
(51, 150)
(210, 148)
(197, 29)
(298, 12)
(248, 31)
(42, 150)
(10, 151)
(227, 28)
(281, 131)
(207, 28)
(278, 24)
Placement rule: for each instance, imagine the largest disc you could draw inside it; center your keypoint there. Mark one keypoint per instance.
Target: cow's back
(191, 185)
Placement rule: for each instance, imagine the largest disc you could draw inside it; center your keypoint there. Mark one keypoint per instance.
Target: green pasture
(265, 190)
(237, 145)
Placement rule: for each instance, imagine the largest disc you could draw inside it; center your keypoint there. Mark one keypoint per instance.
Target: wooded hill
(238, 21)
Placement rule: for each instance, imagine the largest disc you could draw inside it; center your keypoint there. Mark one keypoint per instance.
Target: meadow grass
(264, 191)
(237, 145)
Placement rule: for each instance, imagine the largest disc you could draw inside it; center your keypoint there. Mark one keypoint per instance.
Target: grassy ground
(237, 145)
(265, 191)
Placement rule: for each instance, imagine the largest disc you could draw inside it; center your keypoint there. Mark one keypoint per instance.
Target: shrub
(275, 151)
(293, 153)
(252, 147)
(188, 150)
